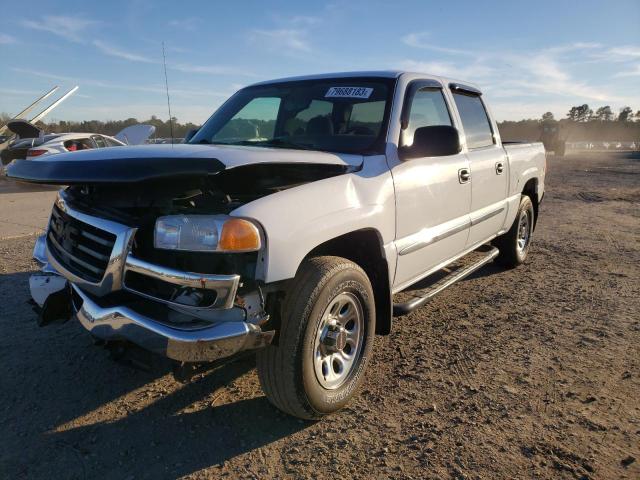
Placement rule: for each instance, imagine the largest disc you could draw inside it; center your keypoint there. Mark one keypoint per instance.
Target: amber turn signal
(239, 235)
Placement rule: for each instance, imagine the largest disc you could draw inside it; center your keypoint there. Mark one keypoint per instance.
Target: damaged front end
(101, 265)
(91, 270)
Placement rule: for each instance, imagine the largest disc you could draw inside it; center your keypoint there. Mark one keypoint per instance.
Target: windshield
(337, 115)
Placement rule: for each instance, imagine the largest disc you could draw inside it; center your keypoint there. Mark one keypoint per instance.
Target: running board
(420, 297)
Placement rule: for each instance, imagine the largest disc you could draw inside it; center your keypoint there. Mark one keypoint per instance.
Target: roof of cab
(371, 74)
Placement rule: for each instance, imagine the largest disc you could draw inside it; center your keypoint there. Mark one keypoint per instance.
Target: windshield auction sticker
(349, 92)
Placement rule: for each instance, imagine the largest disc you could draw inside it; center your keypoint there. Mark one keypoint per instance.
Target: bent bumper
(220, 340)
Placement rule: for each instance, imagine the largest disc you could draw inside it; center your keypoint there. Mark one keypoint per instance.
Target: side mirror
(434, 141)
(190, 135)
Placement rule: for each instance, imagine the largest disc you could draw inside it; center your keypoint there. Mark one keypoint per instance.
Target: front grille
(81, 248)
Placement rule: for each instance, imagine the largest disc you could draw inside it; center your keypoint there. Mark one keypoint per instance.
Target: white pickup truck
(286, 224)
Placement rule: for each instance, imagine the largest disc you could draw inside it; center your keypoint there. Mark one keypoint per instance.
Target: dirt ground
(528, 373)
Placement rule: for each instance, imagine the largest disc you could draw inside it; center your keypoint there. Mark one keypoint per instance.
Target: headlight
(206, 233)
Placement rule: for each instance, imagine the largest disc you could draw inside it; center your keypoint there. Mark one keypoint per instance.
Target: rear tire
(514, 245)
(325, 339)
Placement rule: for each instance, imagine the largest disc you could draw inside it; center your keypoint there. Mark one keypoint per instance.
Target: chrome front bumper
(220, 340)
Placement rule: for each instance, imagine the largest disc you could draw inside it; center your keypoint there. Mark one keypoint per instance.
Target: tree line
(582, 124)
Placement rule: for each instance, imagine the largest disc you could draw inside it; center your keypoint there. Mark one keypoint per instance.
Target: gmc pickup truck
(286, 224)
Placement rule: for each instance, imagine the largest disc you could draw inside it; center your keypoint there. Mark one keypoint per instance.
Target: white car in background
(33, 144)
(71, 142)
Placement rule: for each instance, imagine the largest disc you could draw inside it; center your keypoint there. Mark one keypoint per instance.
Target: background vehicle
(287, 223)
(552, 138)
(32, 142)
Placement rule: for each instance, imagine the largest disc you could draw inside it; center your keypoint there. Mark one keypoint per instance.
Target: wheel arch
(365, 248)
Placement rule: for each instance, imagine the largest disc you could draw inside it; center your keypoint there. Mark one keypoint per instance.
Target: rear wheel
(325, 340)
(514, 245)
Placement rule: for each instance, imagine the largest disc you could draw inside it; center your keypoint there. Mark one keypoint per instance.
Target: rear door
(432, 203)
(488, 164)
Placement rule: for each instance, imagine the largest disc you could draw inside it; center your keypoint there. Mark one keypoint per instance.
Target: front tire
(325, 339)
(514, 245)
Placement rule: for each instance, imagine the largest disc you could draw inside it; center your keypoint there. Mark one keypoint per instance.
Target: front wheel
(325, 339)
(514, 245)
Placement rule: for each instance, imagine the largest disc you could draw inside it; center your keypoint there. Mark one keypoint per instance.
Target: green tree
(580, 113)
(547, 117)
(625, 114)
(604, 114)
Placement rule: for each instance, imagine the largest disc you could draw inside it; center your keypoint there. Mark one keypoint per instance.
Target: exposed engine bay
(139, 204)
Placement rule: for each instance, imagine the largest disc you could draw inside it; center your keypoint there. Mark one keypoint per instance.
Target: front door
(433, 196)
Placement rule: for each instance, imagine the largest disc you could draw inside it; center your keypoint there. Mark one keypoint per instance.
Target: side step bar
(421, 297)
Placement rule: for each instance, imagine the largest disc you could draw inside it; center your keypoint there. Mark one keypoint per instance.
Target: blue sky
(529, 57)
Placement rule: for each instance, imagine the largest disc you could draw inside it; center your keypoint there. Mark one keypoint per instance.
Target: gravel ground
(528, 373)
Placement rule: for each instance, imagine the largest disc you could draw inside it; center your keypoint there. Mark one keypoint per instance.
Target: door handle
(499, 168)
(464, 175)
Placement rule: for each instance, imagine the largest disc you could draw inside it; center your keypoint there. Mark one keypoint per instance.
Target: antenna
(166, 84)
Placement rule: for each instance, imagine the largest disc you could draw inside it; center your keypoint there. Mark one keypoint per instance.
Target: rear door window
(475, 120)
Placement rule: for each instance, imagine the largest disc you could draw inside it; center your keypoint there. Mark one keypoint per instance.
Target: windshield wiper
(274, 142)
(282, 143)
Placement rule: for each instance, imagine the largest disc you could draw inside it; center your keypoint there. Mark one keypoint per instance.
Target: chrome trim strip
(73, 258)
(225, 286)
(92, 237)
(93, 253)
(486, 216)
(441, 236)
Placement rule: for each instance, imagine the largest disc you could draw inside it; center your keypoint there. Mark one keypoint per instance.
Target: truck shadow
(168, 439)
(67, 407)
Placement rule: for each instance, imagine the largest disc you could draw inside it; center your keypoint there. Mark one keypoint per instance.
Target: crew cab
(286, 224)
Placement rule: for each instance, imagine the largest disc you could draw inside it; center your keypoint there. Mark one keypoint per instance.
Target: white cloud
(632, 51)
(285, 41)
(209, 69)
(547, 76)
(630, 73)
(448, 69)
(19, 92)
(70, 28)
(110, 50)
(6, 39)
(421, 40)
(117, 52)
(304, 20)
(156, 89)
(190, 23)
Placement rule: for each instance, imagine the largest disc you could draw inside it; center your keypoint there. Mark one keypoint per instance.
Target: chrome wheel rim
(524, 230)
(338, 341)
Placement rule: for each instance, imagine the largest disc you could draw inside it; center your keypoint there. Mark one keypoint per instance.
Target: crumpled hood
(150, 162)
